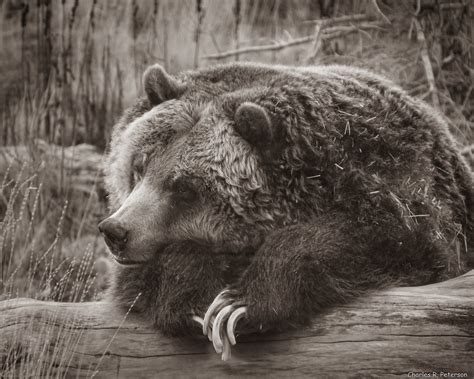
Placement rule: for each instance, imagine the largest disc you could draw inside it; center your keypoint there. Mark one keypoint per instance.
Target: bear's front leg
(190, 276)
(301, 269)
(175, 286)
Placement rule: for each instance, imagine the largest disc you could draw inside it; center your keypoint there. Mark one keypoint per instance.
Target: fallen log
(388, 333)
(79, 167)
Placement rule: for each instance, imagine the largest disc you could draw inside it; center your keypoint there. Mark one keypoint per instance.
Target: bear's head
(200, 161)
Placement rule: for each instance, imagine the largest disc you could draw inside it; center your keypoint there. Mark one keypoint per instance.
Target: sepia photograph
(236, 188)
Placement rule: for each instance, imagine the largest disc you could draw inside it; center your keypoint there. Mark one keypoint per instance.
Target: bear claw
(221, 317)
(223, 325)
(232, 323)
(200, 321)
(215, 305)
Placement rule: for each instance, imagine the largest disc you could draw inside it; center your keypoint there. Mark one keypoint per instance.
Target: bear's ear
(253, 124)
(159, 85)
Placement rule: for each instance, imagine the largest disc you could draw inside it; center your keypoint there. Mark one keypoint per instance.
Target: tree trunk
(388, 333)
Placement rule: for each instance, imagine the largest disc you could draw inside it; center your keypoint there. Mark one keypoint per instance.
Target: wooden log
(389, 333)
(80, 165)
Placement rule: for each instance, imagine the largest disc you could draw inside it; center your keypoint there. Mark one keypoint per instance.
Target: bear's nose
(114, 232)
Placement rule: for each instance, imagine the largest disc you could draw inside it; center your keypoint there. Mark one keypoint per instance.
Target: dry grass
(47, 242)
(69, 68)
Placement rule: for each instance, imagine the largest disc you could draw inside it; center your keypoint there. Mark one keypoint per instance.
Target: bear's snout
(138, 229)
(115, 235)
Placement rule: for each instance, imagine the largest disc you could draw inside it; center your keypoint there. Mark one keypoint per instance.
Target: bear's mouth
(127, 262)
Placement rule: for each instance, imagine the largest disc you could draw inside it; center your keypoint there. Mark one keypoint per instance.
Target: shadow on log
(389, 333)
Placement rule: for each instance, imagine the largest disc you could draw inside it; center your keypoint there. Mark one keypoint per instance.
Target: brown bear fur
(295, 188)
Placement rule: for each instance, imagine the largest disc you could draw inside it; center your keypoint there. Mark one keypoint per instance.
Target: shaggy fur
(343, 183)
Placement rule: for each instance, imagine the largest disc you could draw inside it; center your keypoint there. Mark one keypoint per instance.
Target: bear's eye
(138, 169)
(184, 189)
(136, 178)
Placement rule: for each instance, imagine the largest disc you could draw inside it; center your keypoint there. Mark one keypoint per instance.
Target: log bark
(388, 333)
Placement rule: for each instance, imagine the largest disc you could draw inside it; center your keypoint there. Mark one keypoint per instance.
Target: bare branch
(378, 12)
(339, 31)
(255, 49)
(316, 43)
(340, 20)
(333, 33)
(420, 36)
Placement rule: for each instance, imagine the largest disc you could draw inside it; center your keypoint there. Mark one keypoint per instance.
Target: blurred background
(68, 68)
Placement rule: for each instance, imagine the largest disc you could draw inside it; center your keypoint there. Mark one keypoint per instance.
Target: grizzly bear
(249, 197)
